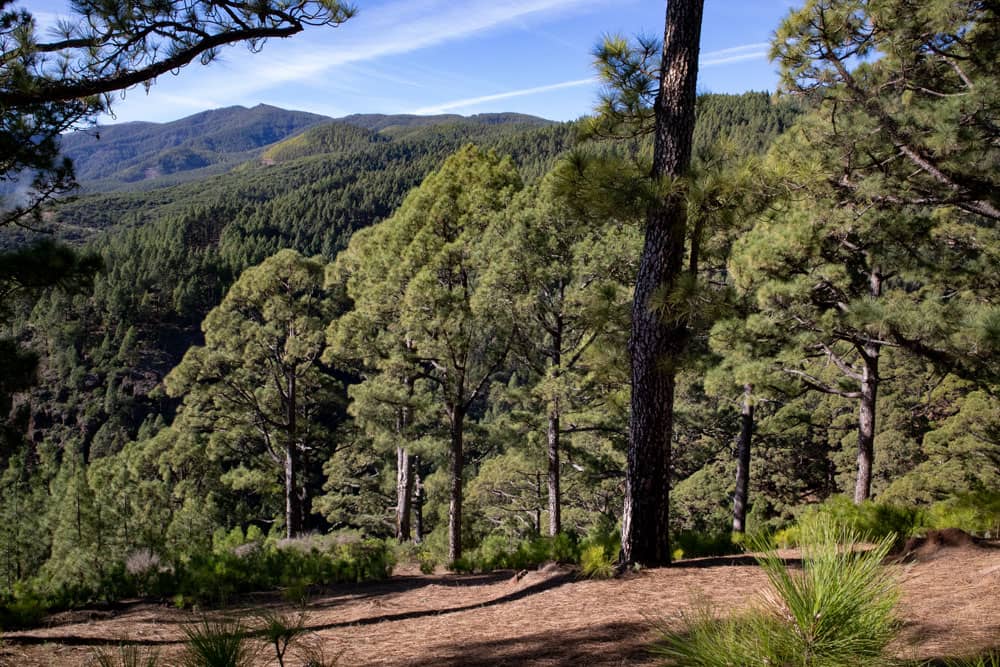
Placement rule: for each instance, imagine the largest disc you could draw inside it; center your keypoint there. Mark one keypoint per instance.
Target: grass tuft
(217, 643)
(838, 609)
(126, 655)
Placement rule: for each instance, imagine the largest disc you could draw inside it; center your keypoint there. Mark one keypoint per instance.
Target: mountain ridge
(142, 155)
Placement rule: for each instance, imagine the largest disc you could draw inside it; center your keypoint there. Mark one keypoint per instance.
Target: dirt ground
(950, 606)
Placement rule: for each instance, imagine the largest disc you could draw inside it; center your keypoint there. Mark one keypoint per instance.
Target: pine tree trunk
(659, 334)
(552, 434)
(455, 506)
(555, 518)
(293, 514)
(866, 409)
(418, 502)
(742, 493)
(404, 493)
(404, 466)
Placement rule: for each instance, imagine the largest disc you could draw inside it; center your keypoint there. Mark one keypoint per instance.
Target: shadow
(730, 561)
(548, 584)
(534, 589)
(608, 644)
(319, 597)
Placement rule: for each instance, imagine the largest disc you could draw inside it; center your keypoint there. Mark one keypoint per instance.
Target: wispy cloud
(473, 101)
(398, 27)
(734, 54)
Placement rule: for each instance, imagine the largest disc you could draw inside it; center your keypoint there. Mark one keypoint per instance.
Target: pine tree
(422, 305)
(564, 298)
(659, 331)
(257, 385)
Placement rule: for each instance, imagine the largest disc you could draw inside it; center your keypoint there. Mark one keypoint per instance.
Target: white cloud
(472, 101)
(394, 28)
(734, 54)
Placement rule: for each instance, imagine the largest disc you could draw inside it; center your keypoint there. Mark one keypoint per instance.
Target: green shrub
(595, 563)
(493, 553)
(564, 548)
(462, 565)
(836, 610)
(870, 520)
(24, 609)
(691, 544)
(605, 533)
(214, 577)
(427, 562)
(977, 513)
(496, 551)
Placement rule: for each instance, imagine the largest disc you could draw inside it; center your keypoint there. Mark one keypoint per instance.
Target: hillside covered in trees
(413, 330)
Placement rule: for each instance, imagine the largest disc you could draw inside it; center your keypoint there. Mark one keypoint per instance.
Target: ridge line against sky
(429, 56)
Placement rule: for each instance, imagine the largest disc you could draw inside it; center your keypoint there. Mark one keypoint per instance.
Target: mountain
(144, 156)
(114, 157)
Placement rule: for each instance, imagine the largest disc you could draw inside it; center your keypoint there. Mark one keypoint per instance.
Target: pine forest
(253, 358)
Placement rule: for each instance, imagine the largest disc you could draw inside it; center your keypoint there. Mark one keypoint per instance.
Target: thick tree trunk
(742, 493)
(455, 506)
(293, 513)
(866, 409)
(418, 502)
(659, 333)
(404, 493)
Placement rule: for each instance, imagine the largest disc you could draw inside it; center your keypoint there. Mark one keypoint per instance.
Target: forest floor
(950, 606)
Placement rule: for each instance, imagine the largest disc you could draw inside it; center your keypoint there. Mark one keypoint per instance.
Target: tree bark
(659, 332)
(866, 409)
(457, 464)
(742, 493)
(293, 514)
(418, 502)
(555, 513)
(404, 493)
(552, 438)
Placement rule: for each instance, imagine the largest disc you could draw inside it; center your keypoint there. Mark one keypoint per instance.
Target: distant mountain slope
(112, 157)
(145, 156)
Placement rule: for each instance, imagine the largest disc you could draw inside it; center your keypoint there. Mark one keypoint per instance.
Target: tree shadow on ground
(77, 640)
(730, 561)
(319, 597)
(609, 644)
(542, 586)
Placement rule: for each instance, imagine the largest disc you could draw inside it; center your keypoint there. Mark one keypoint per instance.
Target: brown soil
(948, 607)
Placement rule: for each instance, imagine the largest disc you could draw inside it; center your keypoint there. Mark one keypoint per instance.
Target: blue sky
(453, 56)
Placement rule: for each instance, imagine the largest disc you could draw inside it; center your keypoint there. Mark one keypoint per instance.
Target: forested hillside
(170, 256)
(145, 155)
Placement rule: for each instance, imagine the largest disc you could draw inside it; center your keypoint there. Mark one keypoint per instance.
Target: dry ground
(950, 606)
